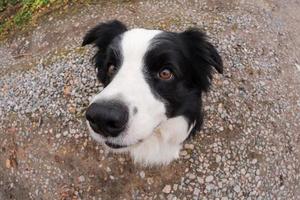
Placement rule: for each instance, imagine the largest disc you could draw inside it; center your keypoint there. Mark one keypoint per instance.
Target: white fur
(163, 145)
(129, 86)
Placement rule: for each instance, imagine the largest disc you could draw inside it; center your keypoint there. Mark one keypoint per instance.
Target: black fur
(191, 58)
(103, 36)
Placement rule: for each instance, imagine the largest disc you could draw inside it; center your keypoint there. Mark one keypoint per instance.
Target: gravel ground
(249, 147)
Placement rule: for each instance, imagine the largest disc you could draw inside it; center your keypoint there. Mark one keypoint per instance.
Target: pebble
(142, 174)
(175, 186)
(81, 179)
(210, 187)
(65, 133)
(254, 161)
(243, 171)
(189, 146)
(183, 153)
(209, 179)
(192, 176)
(196, 191)
(150, 181)
(167, 189)
(237, 189)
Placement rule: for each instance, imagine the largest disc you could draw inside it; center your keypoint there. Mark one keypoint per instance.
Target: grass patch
(5, 3)
(15, 14)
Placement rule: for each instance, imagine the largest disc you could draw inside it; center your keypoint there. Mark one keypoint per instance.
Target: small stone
(65, 133)
(210, 187)
(257, 172)
(192, 176)
(170, 197)
(150, 181)
(72, 109)
(183, 153)
(297, 66)
(243, 171)
(142, 174)
(254, 161)
(196, 192)
(200, 180)
(167, 189)
(58, 135)
(81, 179)
(175, 186)
(189, 146)
(218, 158)
(209, 179)
(72, 131)
(108, 169)
(7, 163)
(237, 189)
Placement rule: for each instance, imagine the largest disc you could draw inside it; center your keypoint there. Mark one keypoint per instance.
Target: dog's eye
(165, 74)
(111, 70)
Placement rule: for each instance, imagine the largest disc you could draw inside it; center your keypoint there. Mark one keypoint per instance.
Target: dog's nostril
(114, 124)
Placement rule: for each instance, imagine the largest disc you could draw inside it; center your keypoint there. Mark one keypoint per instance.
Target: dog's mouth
(115, 146)
(119, 146)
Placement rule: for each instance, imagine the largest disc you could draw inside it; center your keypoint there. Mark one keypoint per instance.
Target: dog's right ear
(102, 34)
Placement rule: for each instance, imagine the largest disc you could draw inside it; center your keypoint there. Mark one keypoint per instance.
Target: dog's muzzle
(108, 118)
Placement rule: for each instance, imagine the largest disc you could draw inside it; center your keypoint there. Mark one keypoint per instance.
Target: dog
(153, 81)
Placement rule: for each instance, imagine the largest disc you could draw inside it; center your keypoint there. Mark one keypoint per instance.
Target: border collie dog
(153, 81)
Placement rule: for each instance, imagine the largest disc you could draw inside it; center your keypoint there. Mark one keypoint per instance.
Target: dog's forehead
(136, 42)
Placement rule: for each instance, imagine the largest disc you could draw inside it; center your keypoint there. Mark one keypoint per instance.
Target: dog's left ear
(102, 34)
(202, 55)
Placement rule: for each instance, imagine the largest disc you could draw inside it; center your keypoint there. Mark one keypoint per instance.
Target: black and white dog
(153, 82)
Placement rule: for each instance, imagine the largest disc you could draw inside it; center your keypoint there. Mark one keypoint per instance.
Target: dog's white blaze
(129, 85)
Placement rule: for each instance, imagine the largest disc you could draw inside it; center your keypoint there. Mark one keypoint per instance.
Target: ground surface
(249, 147)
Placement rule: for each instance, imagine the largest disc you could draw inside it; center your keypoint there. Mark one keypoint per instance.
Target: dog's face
(149, 76)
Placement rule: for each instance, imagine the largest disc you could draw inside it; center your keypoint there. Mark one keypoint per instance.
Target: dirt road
(249, 147)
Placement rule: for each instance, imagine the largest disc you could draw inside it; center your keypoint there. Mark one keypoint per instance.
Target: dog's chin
(108, 145)
(115, 148)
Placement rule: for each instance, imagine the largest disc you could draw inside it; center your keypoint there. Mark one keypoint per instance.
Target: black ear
(202, 56)
(104, 33)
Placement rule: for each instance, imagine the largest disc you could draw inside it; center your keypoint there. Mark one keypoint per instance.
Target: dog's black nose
(107, 118)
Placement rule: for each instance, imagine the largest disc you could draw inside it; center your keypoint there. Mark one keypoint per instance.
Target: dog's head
(149, 76)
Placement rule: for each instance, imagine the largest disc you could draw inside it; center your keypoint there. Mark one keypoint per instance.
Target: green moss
(5, 3)
(17, 13)
(22, 17)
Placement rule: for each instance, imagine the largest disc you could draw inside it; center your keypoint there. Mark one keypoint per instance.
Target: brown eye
(165, 74)
(111, 70)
